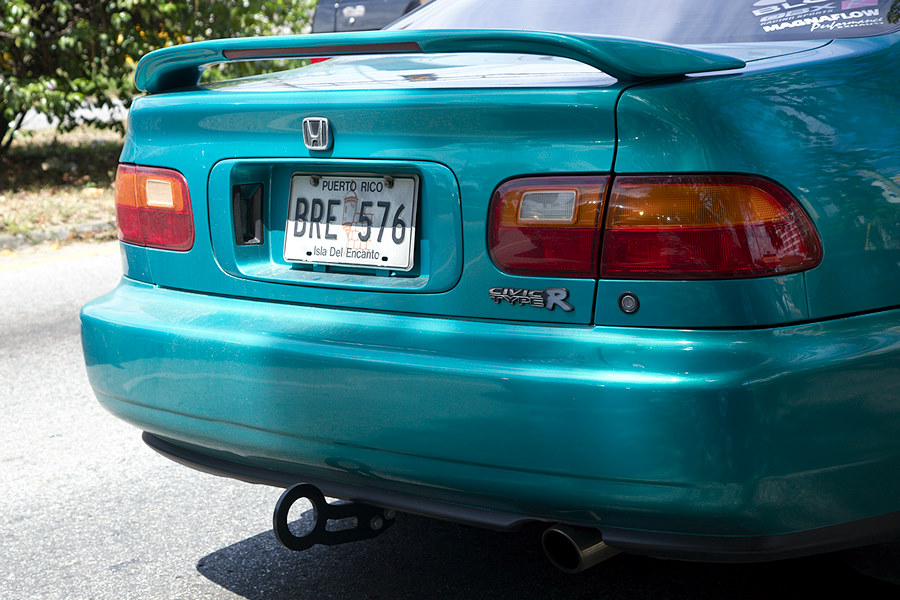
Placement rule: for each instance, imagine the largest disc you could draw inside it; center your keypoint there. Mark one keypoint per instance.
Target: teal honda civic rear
(627, 269)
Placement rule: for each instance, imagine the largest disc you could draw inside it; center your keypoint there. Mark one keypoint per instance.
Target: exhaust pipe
(574, 549)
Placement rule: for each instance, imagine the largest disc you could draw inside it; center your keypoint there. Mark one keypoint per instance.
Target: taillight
(153, 208)
(547, 225)
(704, 227)
(656, 227)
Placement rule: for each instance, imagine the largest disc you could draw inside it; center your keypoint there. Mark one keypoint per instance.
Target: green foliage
(57, 54)
(893, 15)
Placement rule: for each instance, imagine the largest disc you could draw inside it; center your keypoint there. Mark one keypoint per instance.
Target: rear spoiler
(625, 59)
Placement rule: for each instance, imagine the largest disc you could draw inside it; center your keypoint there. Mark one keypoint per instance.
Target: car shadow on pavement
(423, 558)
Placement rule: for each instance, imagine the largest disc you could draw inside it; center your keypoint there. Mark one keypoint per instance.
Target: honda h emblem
(316, 133)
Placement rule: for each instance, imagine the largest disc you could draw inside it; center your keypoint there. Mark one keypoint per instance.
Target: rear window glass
(674, 21)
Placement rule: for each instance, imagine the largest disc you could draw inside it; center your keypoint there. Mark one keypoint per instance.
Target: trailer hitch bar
(370, 521)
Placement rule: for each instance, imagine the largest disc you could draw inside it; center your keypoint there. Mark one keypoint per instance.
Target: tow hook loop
(370, 521)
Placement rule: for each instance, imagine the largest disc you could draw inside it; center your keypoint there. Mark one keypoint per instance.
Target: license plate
(352, 221)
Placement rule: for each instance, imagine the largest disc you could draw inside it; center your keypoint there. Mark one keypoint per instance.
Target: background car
(625, 269)
(360, 15)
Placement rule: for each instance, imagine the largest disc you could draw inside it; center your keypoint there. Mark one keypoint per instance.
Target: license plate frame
(357, 221)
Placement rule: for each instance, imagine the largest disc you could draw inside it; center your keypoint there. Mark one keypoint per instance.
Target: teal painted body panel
(763, 406)
(829, 132)
(447, 129)
(702, 304)
(758, 433)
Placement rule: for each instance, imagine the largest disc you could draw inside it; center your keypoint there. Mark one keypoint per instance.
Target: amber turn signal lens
(705, 227)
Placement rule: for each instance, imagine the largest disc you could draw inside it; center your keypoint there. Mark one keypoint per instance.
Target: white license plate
(352, 221)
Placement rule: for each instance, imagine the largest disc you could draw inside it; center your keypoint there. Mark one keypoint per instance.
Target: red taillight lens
(704, 227)
(547, 225)
(153, 208)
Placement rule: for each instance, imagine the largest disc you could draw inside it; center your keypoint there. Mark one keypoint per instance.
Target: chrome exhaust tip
(574, 549)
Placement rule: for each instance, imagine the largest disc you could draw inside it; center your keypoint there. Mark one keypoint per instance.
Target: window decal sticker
(814, 15)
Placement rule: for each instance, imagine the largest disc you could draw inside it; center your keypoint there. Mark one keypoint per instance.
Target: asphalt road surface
(87, 511)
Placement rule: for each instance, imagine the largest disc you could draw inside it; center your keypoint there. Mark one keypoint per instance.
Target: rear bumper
(740, 436)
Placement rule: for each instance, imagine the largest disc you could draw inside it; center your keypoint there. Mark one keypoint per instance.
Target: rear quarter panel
(825, 124)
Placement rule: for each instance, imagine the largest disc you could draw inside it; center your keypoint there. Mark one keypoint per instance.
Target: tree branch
(12, 133)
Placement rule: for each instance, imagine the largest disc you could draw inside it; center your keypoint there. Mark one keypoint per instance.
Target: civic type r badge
(549, 298)
(317, 133)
